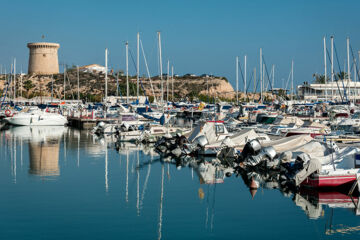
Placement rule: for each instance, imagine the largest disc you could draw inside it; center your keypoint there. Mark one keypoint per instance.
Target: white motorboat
(37, 118)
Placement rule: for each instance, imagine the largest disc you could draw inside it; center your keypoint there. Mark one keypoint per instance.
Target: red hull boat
(324, 181)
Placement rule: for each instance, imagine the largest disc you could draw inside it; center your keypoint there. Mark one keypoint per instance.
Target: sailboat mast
(137, 65)
(64, 81)
(237, 79)
(254, 82)
(261, 80)
(245, 73)
(52, 88)
(325, 70)
(21, 84)
(332, 65)
(167, 81)
(292, 79)
(78, 83)
(127, 71)
(161, 73)
(172, 83)
(348, 63)
(117, 84)
(106, 76)
(14, 79)
(273, 77)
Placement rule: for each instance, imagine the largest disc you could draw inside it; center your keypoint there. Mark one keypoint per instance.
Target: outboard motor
(266, 154)
(201, 141)
(252, 147)
(303, 157)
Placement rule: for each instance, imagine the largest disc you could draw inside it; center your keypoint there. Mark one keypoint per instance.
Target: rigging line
(252, 74)
(241, 72)
(132, 58)
(72, 93)
(267, 73)
(257, 84)
(141, 84)
(267, 86)
(342, 80)
(337, 84)
(354, 60)
(287, 82)
(7, 88)
(147, 69)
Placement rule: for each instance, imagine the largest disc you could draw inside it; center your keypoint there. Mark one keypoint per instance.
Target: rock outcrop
(94, 84)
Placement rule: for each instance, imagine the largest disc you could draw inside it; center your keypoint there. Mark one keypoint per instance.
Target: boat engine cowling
(201, 141)
(252, 147)
(266, 154)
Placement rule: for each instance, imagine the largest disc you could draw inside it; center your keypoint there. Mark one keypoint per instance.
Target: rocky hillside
(92, 86)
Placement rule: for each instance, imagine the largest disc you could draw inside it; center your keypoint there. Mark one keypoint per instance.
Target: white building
(93, 68)
(330, 91)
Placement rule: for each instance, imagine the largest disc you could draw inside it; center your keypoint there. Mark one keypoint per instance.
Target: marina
(104, 192)
(179, 120)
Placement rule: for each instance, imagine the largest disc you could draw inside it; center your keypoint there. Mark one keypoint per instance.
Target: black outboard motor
(252, 147)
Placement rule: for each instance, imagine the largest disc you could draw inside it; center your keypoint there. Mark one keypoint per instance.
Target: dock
(87, 123)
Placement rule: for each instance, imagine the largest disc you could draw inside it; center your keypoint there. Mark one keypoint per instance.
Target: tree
(341, 76)
(320, 78)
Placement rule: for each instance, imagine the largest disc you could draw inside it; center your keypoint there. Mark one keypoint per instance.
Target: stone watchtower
(43, 58)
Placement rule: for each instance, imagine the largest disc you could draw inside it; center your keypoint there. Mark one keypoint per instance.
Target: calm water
(59, 183)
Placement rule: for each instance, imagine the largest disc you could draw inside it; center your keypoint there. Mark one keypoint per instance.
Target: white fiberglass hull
(35, 119)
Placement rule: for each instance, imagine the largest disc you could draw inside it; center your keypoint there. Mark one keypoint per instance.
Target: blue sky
(198, 36)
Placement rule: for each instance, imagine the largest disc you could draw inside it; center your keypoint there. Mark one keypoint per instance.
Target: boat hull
(321, 181)
(37, 120)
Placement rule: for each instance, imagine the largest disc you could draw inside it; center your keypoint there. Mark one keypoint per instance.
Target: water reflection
(139, 185)
(44, 147)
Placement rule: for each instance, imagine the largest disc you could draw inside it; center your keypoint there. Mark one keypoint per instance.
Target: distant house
(93, 68)
(189, 75)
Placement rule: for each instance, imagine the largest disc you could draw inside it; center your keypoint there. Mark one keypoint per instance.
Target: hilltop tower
(43, 58)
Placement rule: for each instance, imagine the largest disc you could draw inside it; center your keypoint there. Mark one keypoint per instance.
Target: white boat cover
(239, 139)
(310, 167)
(204, 128)
(288, 143)
(314, 149)
(286, 120)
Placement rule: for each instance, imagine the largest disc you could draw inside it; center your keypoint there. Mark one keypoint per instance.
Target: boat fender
(8, 113)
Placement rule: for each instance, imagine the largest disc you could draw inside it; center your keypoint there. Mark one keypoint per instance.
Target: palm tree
(341, 76)
(320, 78)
